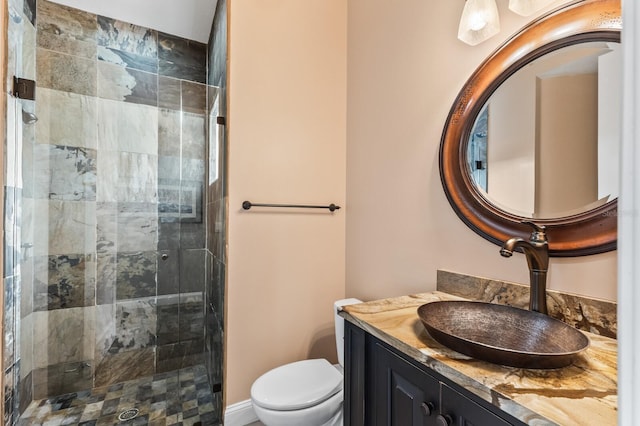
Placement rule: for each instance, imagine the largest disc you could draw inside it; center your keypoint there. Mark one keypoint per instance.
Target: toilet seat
(297, 385)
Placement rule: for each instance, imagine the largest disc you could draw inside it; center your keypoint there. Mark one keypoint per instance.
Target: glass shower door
(107, 266)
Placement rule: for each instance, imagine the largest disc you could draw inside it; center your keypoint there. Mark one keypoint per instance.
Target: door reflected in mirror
(546, 142)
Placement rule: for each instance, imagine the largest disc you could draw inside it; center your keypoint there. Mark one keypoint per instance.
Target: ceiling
(190, 19)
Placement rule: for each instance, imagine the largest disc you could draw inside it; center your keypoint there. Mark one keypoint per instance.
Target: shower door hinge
(24, 89)
(221, 120)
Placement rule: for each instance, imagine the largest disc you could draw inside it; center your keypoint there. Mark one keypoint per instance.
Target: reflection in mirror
(545, 144)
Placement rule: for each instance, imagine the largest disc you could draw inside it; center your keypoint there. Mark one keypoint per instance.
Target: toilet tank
(339, 323)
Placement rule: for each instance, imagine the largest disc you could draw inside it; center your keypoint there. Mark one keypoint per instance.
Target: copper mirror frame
(591, 232)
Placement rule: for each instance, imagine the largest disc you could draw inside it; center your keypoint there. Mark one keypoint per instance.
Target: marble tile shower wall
(109, 222)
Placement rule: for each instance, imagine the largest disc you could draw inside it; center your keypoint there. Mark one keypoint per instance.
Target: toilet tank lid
(297, 385)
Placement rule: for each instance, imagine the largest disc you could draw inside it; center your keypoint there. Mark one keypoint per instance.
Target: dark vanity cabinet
(385, 387)
(402, 394)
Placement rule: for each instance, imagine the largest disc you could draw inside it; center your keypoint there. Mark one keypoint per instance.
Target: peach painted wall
(287, 144)
(405, 68)
(511, 151)
(568, 143)
(3, 100)
(307, 81)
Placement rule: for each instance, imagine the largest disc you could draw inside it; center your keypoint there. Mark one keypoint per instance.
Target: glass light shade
(527, 7)
(479, 21)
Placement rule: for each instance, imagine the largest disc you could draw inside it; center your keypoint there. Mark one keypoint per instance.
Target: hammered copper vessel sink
(503, 334)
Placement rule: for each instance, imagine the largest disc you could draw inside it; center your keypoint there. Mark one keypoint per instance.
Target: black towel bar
(248, 204)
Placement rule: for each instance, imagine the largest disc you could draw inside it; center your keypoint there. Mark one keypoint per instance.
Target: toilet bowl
(307, 392)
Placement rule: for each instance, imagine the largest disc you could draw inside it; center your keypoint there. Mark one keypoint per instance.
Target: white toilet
(306, 392)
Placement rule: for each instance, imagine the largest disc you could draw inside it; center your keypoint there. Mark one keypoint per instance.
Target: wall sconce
(479, 21)
(527, 7)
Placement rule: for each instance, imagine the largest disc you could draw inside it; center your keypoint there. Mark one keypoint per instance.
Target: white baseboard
(240, 414)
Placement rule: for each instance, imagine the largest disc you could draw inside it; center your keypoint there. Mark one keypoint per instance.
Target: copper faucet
(536, 250)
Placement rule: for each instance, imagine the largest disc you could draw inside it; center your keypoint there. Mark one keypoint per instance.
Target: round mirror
(546, 142)
(534, 133)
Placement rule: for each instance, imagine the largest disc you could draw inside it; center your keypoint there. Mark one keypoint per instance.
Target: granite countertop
(584, 393)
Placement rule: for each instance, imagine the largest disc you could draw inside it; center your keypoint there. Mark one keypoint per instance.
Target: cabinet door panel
(465, 412)
(402, 394)
(354, 375)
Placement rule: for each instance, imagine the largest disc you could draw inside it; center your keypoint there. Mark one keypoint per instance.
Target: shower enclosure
(114, 262)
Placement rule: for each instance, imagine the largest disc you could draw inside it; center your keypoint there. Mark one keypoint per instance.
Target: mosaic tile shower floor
(180, 397)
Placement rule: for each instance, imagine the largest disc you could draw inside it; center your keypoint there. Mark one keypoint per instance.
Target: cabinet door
(354, 375)
(402, 394)
(459, 410)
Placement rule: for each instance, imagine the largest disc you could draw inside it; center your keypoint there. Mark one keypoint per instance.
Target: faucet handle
(539, 234)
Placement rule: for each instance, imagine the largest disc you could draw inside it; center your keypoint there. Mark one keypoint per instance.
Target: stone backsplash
(587, 314)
